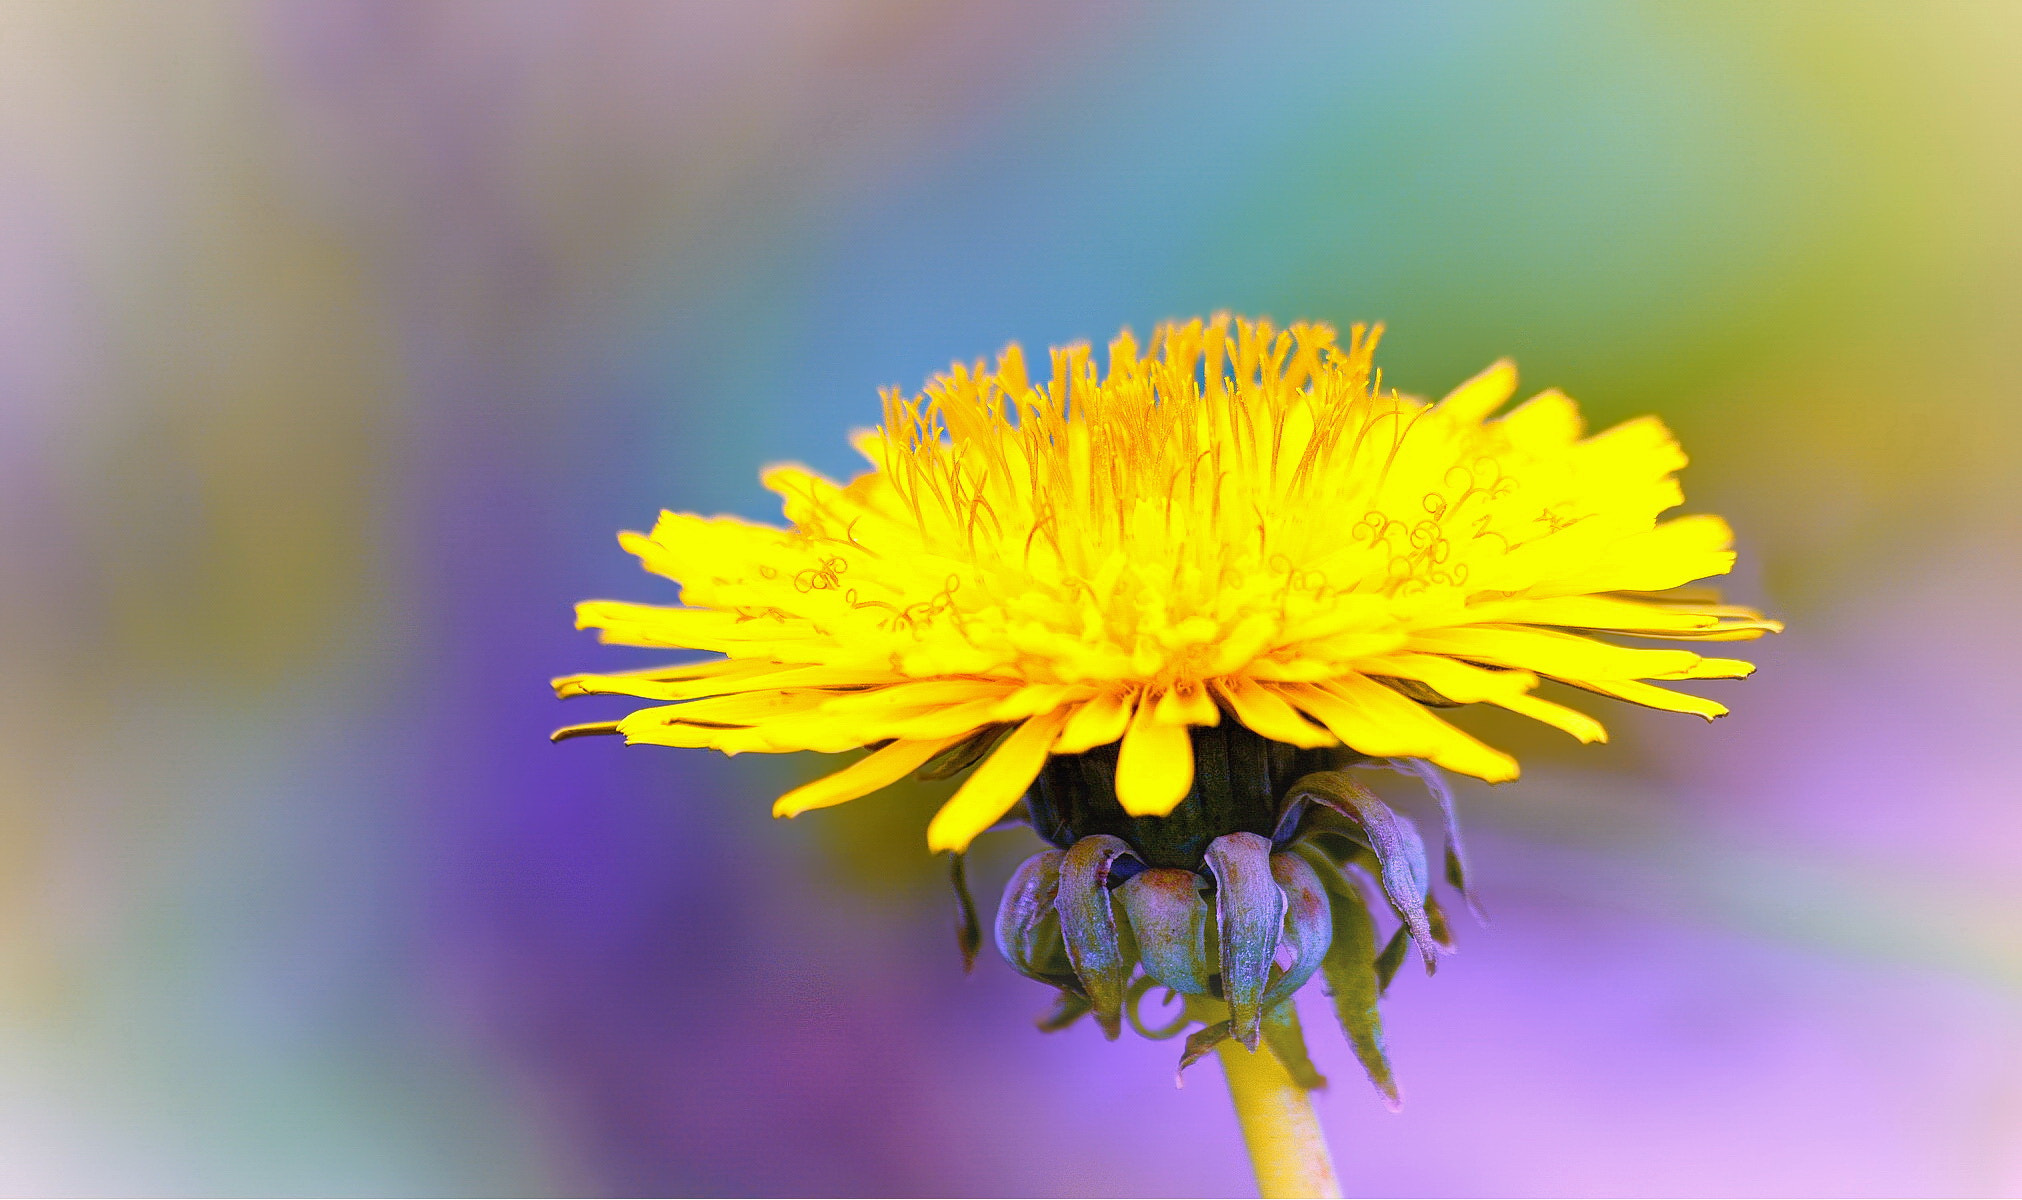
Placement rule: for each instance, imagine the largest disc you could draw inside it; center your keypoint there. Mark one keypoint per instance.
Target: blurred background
(338, 339)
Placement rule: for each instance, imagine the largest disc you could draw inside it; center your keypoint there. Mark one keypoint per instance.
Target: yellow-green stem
(1279, 1125)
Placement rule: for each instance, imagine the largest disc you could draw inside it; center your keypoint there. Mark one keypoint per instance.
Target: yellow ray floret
(1234, 522)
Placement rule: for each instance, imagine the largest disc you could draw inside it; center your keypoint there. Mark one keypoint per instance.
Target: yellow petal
(590, 729)
(1376, 721)
(1155, 767)
(1265, 712)
(1674, 553)
(1460, 682)
(1036, 698)
(1549, 652)
(1547, 421)
(1097, 722)
(627, 624)
(730, 675)
(1358, 728)
(695, 670)
(930, 722)
(1713, 622)
(745, 709)
(570, 686)
(1474, 400)
(862, 777)
(1188, 706)
(691, 737)
(1716, 668)
(1572, 720)
(926, 693)
(996, 785)
(1649, 695)
(823, 735)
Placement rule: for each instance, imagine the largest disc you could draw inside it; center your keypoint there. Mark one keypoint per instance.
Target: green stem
(1279, 1126)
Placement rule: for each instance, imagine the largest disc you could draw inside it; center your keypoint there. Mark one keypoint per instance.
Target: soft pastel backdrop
(338, 339)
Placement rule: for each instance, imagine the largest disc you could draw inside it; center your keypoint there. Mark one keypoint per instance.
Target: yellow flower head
(1235, 523)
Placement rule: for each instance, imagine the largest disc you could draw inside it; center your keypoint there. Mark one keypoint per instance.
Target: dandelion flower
(1154, 609)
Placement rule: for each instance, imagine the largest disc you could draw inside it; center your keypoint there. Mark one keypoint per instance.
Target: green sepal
(1135, 996)
(1199, 1042)
(1067, 1009)
(1249, 920)
(1394, 840)
(1398, 947)
(1354, 975)
(968, 930)
(1103, 954)
(1442, 929)
(1288, 1041)
(1456, 857)
(1028, 930)
(1171, 923)
(1308, 930)
(1392, 957)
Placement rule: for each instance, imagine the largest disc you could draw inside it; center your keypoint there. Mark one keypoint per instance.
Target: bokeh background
(337, 339)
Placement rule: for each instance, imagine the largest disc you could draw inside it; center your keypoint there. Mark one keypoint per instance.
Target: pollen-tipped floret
(1235, 523)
